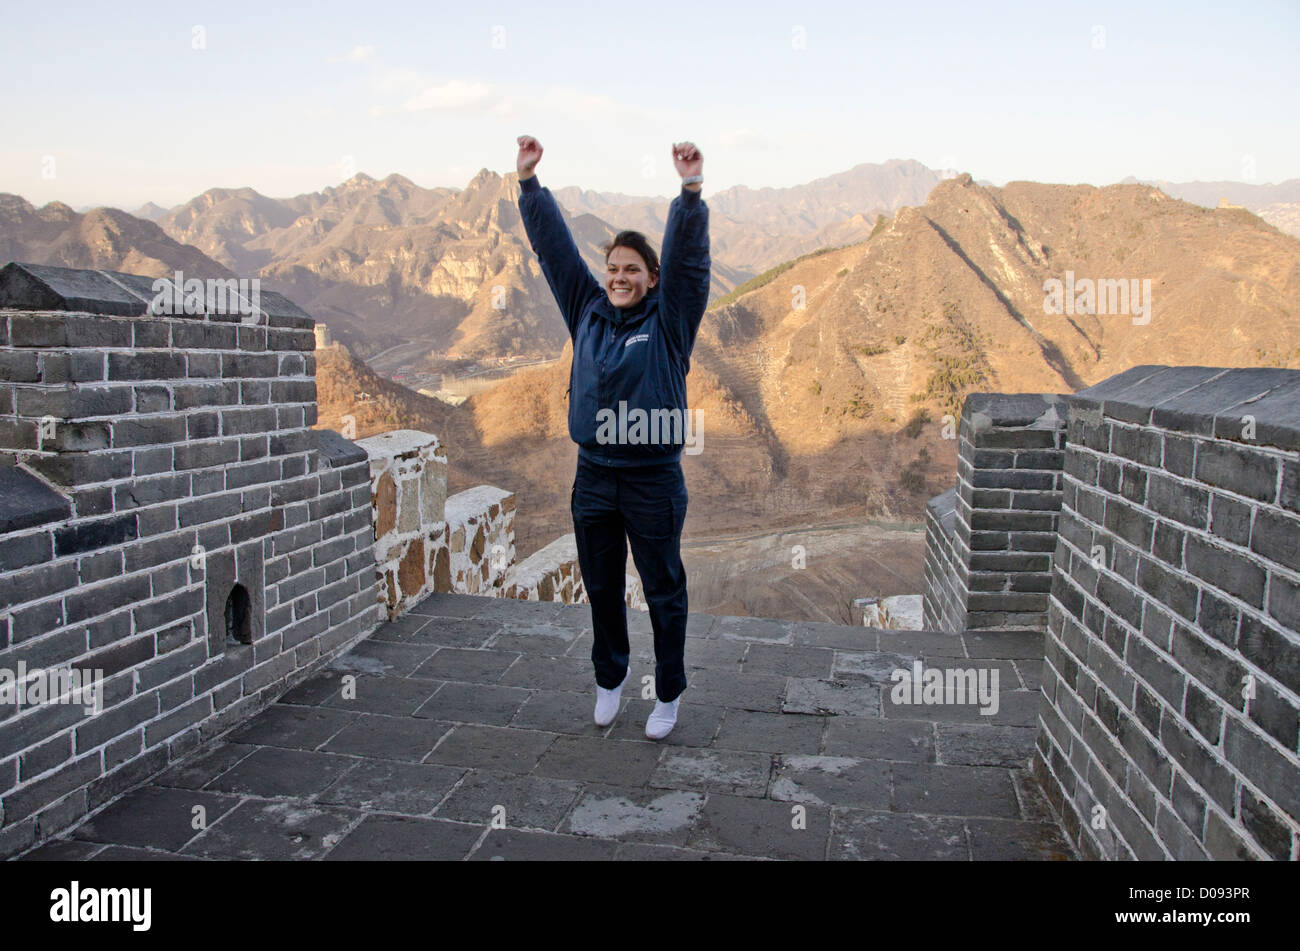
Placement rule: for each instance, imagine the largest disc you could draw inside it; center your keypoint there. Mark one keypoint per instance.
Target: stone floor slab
(1031, 672)
(922, 643)
(645, 852)
(875, 666)
(467, 666)
(130, 853)
(831, 781)
(314, 691)
(763, 827)
(705, 653)
(207, 763)
(517, 611)
(1014, 708)
(378, 737)
(979, 744)
(64, 850)
(754, 629)
(559, 711)
(517, 845)
(547, 639)
(447, 604)
(1016, 644)
(441, 632)
(763, 692)
(412, 789)
(599, 760)
(389, 696)
(385, 659)
(404, 839)
(573, 616)
(833, 636)
(732, 772)
(908, 741)
(770, 732)
(272, 772)
(283, 831)
(1034, 806)
(401, 630)
(488, 747)
(547, 672)
(831, 698)
(635, 815)
(156, 817)
(489, 704)
(1002, 840)
(861, 835)
(488, 796)
(292, 727)
(784, 661)
(928, 789)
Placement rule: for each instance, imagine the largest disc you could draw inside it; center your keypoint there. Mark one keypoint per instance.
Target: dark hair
(637, 242)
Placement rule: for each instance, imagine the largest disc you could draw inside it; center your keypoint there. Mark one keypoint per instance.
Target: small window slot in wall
(238, 617)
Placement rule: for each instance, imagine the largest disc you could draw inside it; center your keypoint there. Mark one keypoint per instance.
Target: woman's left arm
(684, 264)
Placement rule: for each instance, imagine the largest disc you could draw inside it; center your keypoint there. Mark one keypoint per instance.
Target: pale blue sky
(120, 107)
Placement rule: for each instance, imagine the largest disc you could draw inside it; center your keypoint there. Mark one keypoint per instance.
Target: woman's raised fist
(687, 159)
(530, 153)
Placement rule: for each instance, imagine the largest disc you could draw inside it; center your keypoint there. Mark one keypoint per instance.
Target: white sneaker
(662, 719)
(607, 702)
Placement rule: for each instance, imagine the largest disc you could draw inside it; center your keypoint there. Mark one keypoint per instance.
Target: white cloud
(453, 96)
(417, 92)
(743, 139)
(397, 82)
(360, 54)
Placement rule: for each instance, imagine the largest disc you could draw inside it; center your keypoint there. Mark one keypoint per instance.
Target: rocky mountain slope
(838, 405)
(386, 262)
(101, 238)
(1278, 204)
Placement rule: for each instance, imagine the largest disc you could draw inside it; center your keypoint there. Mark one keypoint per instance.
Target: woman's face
(626, 277)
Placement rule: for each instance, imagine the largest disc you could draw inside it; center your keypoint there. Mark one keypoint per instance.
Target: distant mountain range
(386, 262)
(100, 238)
(1279, 204)
(1239, 193)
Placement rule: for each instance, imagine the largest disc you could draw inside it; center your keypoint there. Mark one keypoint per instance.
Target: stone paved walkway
(470, 736)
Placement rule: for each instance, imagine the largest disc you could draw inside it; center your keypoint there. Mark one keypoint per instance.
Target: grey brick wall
(184, 448)
(944, 604)
(1170, 724)
(993, 571)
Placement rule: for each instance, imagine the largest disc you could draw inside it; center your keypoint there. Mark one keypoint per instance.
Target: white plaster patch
(874, 665)
(365, 665)
(826, 764)
(539, 630)
(703, 764)
(787, 790)
(610, 818)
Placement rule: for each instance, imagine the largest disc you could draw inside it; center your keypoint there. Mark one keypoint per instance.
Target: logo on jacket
(635, 338)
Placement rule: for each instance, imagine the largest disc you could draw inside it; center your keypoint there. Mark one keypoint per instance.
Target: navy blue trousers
(645, 506)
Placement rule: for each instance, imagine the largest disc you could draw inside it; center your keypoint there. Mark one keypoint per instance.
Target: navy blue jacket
(638, 355)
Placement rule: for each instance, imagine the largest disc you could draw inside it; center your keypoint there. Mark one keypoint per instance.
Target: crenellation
(1172, 609)
(149, 463)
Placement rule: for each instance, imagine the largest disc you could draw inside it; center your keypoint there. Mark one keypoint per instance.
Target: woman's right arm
(570, 279)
